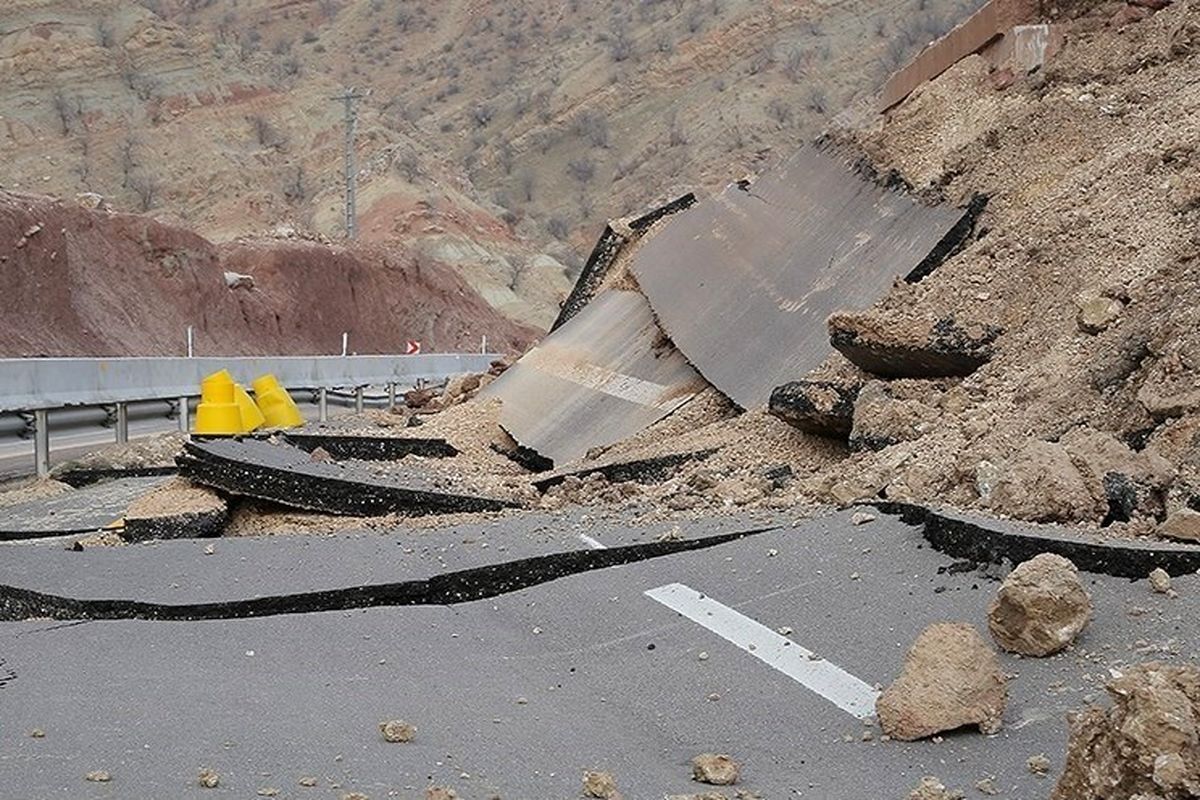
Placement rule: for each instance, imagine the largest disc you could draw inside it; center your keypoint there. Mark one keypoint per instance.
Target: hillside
(492, 133)
(96, 283)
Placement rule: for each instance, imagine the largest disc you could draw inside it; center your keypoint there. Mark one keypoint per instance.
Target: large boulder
(1147, 744)
(951, 678)
(1040, 608)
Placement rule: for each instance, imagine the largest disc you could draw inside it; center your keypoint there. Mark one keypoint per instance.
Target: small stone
(98, 776)
(38, 733)
(713, 697)
(209, 779)
(861, 518)
(715, 769)
(307, 781)
(1038, 765)
(397, 731)
(951, 678)
(987, 786)
(1097, 312)
(355, 796)
(268, 791)
(703, 656)
(1040, 607)
(522, 701)
(930, 788)
(600, 784)
(209, 550)
(320, 455)
(1160, 581)
(440, 793)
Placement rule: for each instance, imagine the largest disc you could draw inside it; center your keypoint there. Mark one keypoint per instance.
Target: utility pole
(350, 97)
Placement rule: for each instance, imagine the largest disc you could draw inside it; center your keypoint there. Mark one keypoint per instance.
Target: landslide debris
(951, 678)
(1146, 744)
(1040, 607)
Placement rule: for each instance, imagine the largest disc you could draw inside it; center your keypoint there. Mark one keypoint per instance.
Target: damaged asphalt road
(516, 695)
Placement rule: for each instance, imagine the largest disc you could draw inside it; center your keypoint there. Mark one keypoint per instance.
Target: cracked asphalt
(514, 696)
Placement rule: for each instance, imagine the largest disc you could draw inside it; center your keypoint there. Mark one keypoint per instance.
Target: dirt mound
(84, 282)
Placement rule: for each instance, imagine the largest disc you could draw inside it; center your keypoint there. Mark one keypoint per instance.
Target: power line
(350, 98)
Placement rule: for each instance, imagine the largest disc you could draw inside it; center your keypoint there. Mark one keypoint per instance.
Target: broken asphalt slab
(287, 475)
(371, 448)
(515, 695)
(181, 573)
(987, 539)
(85, 510)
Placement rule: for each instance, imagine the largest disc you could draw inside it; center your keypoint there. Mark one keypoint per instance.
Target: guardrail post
(391, 397)
(323, 404)
(41, 442)
(122, 423)
(184, 412)
(358, 399)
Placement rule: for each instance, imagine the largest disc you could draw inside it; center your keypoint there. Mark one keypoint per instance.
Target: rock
(355, 796)
(1038, 765)
(460, 386)
(236, 280)
(889, 412)
(320, 455)
(905, 348)
(98, 776)
(1122, 483)
(397, 731)
(92, 201)
(1147, 743)
(930, 788)
(986, 786)
(308, 781)
(418, 398)
(1182, 524)
(600, 784)
(986, 476)
(1096, 312)
(1040, 607)
(268, 791)
(1041, 484)
(209, 779)
(719, 770)
(825, 408)
(37, 733)
(951, 678)
(861, 518)
(440, 793)
(1160, 581)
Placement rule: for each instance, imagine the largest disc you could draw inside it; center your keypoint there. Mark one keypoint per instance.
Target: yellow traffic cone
(251, 417)
(217, 413)
(276, 404)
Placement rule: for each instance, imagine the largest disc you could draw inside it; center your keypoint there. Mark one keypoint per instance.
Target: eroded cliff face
(89, 282)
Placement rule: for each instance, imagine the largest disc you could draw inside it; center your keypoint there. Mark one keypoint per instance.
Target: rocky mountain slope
(492, 131)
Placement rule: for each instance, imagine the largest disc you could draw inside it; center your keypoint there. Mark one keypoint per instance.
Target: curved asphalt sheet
(603, 376)
(743, 282)
(515, 696)
(78, 511)
(181, 571)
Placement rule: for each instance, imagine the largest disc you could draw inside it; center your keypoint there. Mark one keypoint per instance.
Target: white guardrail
(40, 384)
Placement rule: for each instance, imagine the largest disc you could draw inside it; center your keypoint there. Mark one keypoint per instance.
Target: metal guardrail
(39, 384)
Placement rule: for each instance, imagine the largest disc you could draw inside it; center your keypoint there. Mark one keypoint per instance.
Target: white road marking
(828, 680)
(592, 543)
